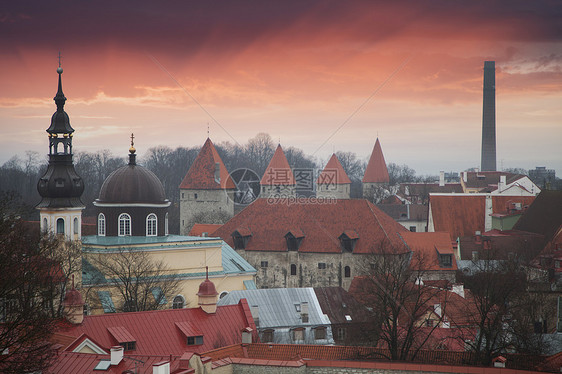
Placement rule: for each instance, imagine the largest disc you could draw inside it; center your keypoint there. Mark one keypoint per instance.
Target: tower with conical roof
(333, 181)
(61, 187)
(206, 191)
(376, 173)
(278, 180)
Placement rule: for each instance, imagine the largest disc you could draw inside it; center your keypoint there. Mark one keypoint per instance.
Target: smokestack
(441, 178)
(489, 118)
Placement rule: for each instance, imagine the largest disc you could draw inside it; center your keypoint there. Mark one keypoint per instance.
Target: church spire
(132, 150)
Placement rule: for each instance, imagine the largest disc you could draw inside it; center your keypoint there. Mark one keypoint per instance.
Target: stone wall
(335, 191)
(214, 204)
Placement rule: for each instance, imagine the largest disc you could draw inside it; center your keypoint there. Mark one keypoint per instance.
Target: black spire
(60, 186)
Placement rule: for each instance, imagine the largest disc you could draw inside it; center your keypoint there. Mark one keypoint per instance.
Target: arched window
(151, 224)
(347, 272)
(60, 226)
(166, 225)
(101, 224)
(124, 224)
(293, 269)
(45, 224)
(178, 303)
(76, 225)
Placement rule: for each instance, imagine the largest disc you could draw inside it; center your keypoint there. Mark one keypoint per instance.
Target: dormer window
(348, 239)
(294, 239)
(123, 337)
(240, 238)
(446, 260)
(191, 333)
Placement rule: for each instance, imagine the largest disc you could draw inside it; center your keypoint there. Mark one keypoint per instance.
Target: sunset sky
(409, 71)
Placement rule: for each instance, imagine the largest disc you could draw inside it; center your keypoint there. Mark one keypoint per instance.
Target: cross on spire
(132, 140)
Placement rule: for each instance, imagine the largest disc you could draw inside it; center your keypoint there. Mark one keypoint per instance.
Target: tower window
(45, 224)
(293, 269)
(76, 225)
(124, 224)
(151, 224)
(101, 224)
(347, 272)
(166, 225)
(60, 226)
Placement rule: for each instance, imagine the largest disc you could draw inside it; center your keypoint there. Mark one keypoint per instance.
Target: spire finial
(132, 150)
(207, 272)
(207, 129)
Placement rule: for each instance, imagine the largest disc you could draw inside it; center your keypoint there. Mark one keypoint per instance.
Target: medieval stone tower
(489, 118)
(333, 181)
(206, 192)
(278, 180)
(61, 187)
(376, 173)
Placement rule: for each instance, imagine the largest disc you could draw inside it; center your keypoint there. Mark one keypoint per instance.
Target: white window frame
(101, 224)
(125, 229)
(151, 225)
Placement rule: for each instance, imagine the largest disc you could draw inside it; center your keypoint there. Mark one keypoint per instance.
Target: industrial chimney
(489, 118)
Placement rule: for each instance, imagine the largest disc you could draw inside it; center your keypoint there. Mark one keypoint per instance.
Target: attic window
(298, 334)
(192, 334)
(348, 239)
(267, 336)
(240, 238)
(446, 260)
(123, 337)
(320, 333)
(294, 239)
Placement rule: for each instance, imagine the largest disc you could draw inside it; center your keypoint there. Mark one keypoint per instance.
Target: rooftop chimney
(488, 160)
(247, 335)
(255, 310)
(161, 368)
(304, 312)
(441, 179)
(116, 354)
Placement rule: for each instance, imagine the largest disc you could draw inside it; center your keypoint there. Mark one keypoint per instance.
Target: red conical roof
(333, 173)
(201, 174)
(278, 172)
(376, 171)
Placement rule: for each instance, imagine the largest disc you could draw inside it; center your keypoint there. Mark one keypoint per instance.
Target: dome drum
(138, 219)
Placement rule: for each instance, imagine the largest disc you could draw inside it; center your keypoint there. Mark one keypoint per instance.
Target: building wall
(336, 191)
(194, 203)
(277, 273)
(255, 369)
(420, 226)
(138, 219)
(49, 217)
(279, 191)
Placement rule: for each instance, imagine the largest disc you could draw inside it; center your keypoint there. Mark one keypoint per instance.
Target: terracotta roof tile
(278, 172)
(376, 171)
(429, 245)
(464, 214)
(333, 173)
(321, 225)
(199, 228)
(201, 174)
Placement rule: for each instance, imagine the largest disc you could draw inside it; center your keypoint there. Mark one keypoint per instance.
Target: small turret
(73, 305)
(207, 295)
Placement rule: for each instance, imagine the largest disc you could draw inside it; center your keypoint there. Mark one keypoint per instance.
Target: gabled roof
(277, 306)
(278, 172)
(497, 245)
(376, 171)
(201, 174)
(421, 189)
(322, 224)
(429, 245)
(337, 303)
(157, 332)
(333, 173)
(405, 212)
(464, 214)
(488, 180)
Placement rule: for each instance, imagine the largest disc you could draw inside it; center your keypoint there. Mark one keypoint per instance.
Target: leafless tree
(28, 280)
(399, 300)
(142, 282)
(260, 150)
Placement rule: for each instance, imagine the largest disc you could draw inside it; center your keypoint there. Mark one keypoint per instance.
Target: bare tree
(142, 282)
(28, 279)
(260, 150)
(399, 300)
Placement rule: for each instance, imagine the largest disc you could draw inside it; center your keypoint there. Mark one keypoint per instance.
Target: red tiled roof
(278, 172)
(121, 334)
(544, 215)
(201, 174)
(321, 224)
(199, 228)
(429, 245)
(498, 245)
(157, 333)
(376, 171)
(72, 363)
(333, 173)
(463, 215)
